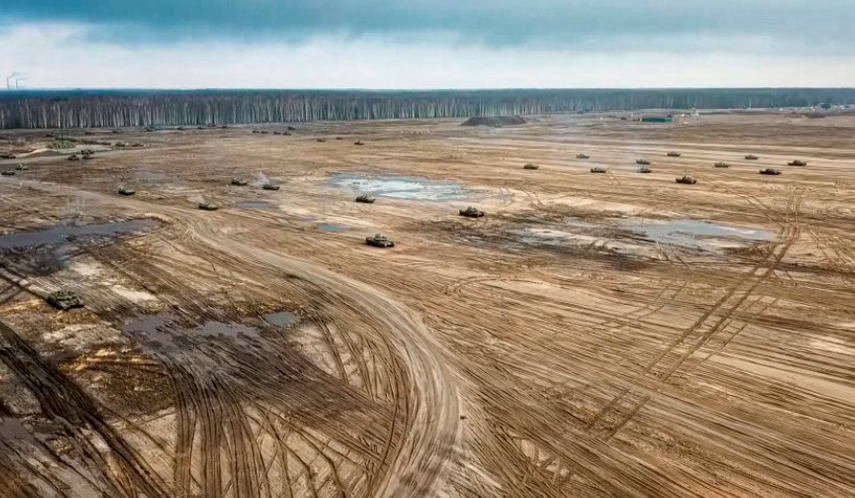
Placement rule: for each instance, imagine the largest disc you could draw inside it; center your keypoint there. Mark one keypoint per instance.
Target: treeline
(119, 108)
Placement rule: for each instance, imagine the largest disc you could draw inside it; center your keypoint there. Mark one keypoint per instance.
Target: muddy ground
(593, 335)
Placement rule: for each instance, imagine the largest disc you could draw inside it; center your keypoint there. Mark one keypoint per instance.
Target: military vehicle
(531, 166)
(378, 240)
(582, 156)
(126, 191)
(322, 140)
(74, 157)
(291, 128)
(22, 167)
(722, 165)
(255, 131)
(797, 163)
(674, 154)
(365, 199)
(208, 206)
(597, 169)
(751, 157)
(270, 186)
(769, 171)
(687, 180)
(240, 182)
(8, 172)
(359, 142)
(471, 212)
(643, 162)
(7, 156)
(64, 300)
(644, 169)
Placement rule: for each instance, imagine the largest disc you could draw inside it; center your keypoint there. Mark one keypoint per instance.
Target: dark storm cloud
(499, 22)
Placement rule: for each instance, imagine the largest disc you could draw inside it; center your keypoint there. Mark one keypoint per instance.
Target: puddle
(73, 233)
(161, 335)
(255, 205)
(691, 232)
(401, 187)
(331, 228)
(282, 319)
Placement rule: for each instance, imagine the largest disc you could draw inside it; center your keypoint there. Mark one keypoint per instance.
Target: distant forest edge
(120, 108)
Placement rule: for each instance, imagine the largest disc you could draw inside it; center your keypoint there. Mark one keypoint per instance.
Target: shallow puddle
(331, 228)
(691, 232)
(282, 319)
(73, 233)
(401, 187)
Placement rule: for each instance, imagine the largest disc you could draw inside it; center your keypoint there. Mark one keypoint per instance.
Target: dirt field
(593, 335)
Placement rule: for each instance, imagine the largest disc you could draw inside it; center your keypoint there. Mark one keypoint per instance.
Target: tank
(322, 140)
(126, 191)
(208, 206)
(797, 163)
(643, 162)
(8, 172)
(531, 166)
(22, 167)
(240, 182)
(582, 156)
(674, 154)
(270, 186)
(751, 157)
(64, 300)
(74, 157)
(378, 240)
(769, 171)
(359, 142)
(365, 199)
(722, 165)
(644, 169)
(597, 169)
(687, 180)
(471, 212)
(7, 156)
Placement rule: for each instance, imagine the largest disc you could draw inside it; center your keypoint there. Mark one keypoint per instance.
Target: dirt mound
(494, 121)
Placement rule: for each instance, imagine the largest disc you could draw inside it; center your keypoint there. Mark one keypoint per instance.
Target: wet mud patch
(695, 233)
(256, 205)
(405, 187)
(331, 228)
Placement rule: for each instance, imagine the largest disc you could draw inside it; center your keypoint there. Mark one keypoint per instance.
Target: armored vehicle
(22, 167)
(530, 166)
(722, 165)
(8, 172)
(208, 206)
(751, 157)
(240, 182)
(74, 157)
(378, 240)
(797, 163)
(365, 199)
(644, 169)
(643, 162)
(769, 171)
(270, 186)
(471, 212)
(126, 191)
(582, 156)
(597, 169)
(322, 140)
(64, 300)
(686, 180)
(359, 142)
(674, 154)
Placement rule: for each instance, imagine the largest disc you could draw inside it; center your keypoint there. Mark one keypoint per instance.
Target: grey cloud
(819, 23)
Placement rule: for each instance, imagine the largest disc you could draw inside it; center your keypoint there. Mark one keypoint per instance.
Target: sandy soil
(593, 335)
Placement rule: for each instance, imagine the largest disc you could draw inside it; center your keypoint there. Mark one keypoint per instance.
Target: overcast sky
(427, 43)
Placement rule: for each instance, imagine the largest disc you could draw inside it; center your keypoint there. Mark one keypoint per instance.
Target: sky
(424, 44)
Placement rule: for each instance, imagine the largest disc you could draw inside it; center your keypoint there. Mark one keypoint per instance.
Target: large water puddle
(691, 233)
(60, 234)
(283, 319)
(255, 205)
(332, 228)
(402, 187)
